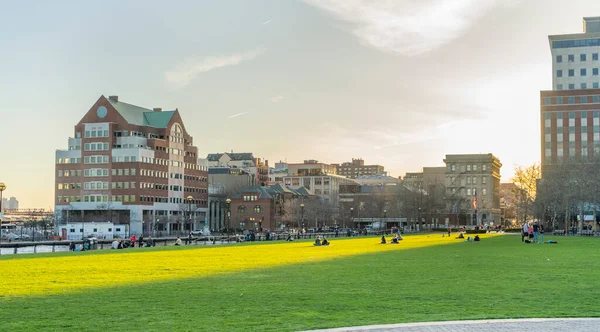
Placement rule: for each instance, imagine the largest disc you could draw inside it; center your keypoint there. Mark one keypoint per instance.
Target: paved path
(497, 325)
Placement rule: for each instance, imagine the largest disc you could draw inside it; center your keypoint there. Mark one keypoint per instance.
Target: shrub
(476, 231)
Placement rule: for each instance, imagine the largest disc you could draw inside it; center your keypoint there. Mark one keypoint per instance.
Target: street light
(384, 220)
(351, 216)
(302, 209)
(419, 221)
(190, 199)
(228, 207)
(2, 188)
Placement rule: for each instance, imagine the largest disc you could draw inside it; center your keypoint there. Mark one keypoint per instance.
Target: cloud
(276, 99)
(236, 115)
(191, 68)
(409, 27)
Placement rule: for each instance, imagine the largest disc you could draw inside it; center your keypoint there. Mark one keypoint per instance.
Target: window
(571, 72)
(468, 191)
(596, 99)
(474, 167)
(559, 58)
(60, 173)
(571, 100)
(582, 57)
(596, 85)
(571, 86)
(484, 191)
(571, 57)
(582, 72)
(559, 87)
(584, 86)
(594, 56)
(87, 134)
(583, 99)
(547, 101)
(474, 180)
(258, 209)
(559, 73)
(483, 167)
(595, 71)
(468, 168)
(241, 209)
(484, 180)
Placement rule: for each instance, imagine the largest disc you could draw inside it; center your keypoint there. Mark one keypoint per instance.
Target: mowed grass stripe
(72, 273)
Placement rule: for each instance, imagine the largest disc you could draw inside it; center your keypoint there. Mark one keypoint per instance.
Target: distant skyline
(397, 83)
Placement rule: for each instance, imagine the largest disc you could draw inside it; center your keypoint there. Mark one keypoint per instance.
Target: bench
(559, 232)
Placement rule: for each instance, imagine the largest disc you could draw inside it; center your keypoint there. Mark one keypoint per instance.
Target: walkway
(497, 325)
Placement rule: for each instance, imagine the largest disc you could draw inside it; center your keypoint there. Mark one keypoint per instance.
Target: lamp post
(419, 221)
(190, 199)
(302, 218)
(2, 188)
(228, 207)
(384, 220)
(351, 216)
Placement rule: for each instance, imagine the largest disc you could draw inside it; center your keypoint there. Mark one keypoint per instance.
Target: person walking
(141, 241)
(524, 232)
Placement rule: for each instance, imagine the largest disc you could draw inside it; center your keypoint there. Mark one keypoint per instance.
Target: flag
(475, 202)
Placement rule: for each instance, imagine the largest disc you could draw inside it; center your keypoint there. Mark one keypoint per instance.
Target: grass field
(294, 286)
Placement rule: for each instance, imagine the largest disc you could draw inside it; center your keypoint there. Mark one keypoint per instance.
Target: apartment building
(132, 167)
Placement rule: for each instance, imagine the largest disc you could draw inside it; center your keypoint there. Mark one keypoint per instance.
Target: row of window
(469, 191)
(257, 209)
(68, 160)
(572, 138)
(68, 186)
(467, 180)
(582, 57)
(582, 72)
(95, 159)
(583, 86)
(176, 200)
(95, 146)
(94, 133)
(562, 100)
(249, 198)
(72, 230)
(463, 168)
(97, 199)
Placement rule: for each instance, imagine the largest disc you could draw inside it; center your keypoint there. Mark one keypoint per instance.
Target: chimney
(157, 109)
(114, 98)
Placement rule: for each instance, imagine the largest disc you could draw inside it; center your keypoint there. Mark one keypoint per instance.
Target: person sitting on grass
(383, 239)
(461, 235)
(290, 238)
(178, 242)
(325, 242)
(476, 239)
(115, 244)
(318, 241)
(395, 239)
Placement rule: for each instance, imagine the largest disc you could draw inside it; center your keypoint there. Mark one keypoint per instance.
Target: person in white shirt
(178, 242)
(524, 232)
(115, 244)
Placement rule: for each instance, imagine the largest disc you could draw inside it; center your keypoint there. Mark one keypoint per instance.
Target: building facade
(427, 177)
(357, 168)
(132, 167)
(473, 188)
(570, 112)
(258, 168)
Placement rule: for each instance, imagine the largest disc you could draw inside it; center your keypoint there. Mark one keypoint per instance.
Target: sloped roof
(304, 191)
(141, 116)
(233, 156)
(263, 192)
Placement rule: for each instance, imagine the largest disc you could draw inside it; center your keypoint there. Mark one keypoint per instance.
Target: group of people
(319, 242)
(395, 240)
(122, 244)
(530, 232)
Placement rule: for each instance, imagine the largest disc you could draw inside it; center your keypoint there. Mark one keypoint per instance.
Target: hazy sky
(399, 83)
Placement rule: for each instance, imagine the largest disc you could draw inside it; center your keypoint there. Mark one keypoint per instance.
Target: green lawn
(496, 278)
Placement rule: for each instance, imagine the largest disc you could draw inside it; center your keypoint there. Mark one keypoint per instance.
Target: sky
(399, 83)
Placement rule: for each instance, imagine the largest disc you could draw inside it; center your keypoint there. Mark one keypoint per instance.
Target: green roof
(140, 116)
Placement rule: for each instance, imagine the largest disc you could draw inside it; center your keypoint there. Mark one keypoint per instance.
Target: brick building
(133, 168)
(357, 168)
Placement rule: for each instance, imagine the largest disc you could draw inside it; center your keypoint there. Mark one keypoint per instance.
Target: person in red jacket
(132, 240)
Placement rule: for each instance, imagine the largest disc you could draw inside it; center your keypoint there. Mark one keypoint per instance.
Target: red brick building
(129, 169)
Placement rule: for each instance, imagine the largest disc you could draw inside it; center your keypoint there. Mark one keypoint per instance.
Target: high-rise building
(12, 204)
(473, 188)
(570, 116)
(129, 170)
